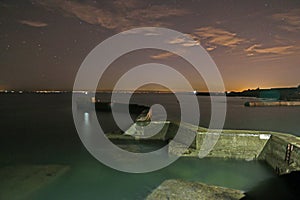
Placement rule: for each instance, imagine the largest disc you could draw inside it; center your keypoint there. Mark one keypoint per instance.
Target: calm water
(39, 129)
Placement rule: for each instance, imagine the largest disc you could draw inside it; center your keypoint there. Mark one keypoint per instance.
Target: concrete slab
(180, 190)
(20, 181)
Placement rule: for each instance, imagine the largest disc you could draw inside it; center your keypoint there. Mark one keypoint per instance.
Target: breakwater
(86, 103)
(280, 151)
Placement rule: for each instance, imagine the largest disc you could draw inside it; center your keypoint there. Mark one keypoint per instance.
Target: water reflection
(86, 119)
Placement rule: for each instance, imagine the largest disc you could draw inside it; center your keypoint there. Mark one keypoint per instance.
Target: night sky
(254, 43)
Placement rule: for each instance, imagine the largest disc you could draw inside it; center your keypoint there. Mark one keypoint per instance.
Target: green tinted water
(39, 129)
(89, 179)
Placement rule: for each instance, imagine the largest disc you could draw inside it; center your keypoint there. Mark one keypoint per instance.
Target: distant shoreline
(108, 92)
(279, 94)
(271, 103)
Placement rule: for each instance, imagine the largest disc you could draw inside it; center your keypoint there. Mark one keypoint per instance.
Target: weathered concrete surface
(149, 131)
(281, 151)
(162, 131)
(188, 133)
(276, 152)
(237, 144)
(270, 147)
(20, 181)
(179, 149)
(231, 144)
(180, 190)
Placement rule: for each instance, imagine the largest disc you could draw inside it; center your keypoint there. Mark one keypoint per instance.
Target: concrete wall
(242, 144)
(179, 189)
(234, 144)
(275, 153)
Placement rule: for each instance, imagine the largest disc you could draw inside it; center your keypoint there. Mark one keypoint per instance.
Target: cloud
(116, 15)
(279, 50)
(218, 37)
(156, 12)
(162, 55)
(210, 37)
(210, 48)
(84, 12)
(289, 21)
(127, 4)
(33, 23)
(187, 41)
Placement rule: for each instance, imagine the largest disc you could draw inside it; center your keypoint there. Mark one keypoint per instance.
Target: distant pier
(271, 103)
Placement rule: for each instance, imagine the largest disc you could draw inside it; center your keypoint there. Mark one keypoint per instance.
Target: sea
(38, 129)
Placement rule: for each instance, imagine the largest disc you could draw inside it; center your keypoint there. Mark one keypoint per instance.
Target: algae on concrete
(231, 144)
(180, 190)
(155, 130)
(21, 181)
(237, 144)
(280, 151)
(276, 154)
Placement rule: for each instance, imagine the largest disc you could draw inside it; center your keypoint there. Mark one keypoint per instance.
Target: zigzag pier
(279, 150)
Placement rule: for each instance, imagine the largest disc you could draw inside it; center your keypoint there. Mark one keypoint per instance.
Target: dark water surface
(39, 129)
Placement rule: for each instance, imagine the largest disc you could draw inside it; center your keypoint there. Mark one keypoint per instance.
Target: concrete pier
(272, 103)
(280, 151)
(179, 189)
(20, 182)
